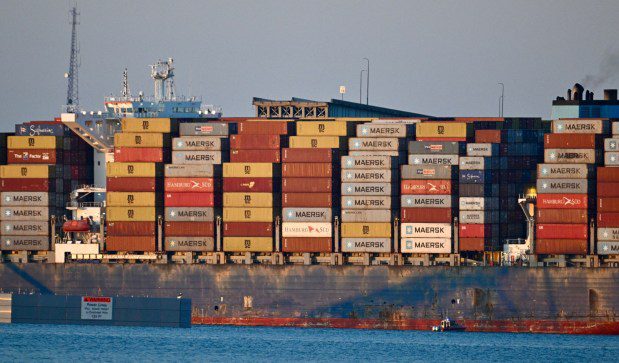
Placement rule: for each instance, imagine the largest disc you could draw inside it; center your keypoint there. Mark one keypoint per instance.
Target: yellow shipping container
(248, 244)
(160, 125)
(260, 200)
(316, 142)
(134, 139)
(132, 199)
(248, 214)
(131, 214)
(144, 170)
(34, 142)
(441, 129)
(241, 170)
(22, 171)
(321, 128)
(370, 230)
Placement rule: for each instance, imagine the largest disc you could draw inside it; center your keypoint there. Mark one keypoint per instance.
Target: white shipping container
(562, 186)
(366, 189)
(185, 171)
(611, 158)
(358, 215)
(582, 126)
(366, 202)
(479, 217)
(426, 230)
(570, 156)
(562, 171)
(196, 157)
(373, 153)
(425, 245)
(376, 245)
(426, 201)
(375, 144)
(366, 175)
(478, 203)
(25, 228)
(433, 159)
(608, 248)
(381, 130)
(472, 163)
(306, 214)
(203, 143)
(306, 229)
(608, 234)
(26, 199)
(611, 144)
(24, 213)
(24, 243)
(366, 162)
(479, 149)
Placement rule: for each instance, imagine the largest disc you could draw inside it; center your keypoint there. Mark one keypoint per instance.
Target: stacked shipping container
(608, 197)
(564, 186)
(134, 188)
(190, 187)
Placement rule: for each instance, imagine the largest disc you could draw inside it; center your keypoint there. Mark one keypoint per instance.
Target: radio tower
(73, 100)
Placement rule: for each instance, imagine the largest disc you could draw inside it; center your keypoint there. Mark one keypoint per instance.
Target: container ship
(321, 214)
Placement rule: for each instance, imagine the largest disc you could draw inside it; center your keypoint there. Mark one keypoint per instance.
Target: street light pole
(367, 84)
(501, 99)
(361, 84)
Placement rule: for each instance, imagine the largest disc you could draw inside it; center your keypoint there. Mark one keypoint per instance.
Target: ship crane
(73, 100)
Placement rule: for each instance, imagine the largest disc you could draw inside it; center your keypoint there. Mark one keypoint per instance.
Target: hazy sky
(442, 58)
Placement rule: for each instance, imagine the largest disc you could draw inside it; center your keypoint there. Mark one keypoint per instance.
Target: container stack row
(565, 186)
(370, 191)
(608, 196)
(191, 187)
(134, 198)
(311, 187)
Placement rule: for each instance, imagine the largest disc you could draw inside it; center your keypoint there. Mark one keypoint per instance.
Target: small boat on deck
(448, 325)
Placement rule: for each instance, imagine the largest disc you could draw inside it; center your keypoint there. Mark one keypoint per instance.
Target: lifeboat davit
(76, 226)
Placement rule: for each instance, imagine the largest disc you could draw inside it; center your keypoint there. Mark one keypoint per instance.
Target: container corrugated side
(24, 243)
(307, 155)
(562, 186)
(305, 244)
(203, 129)
(441, 129)
(425, 245)
(366, 189)
(307, 229)
(185, 171)
(34, 142)
(426, 187)
(129, 214)
(196, 157)
(365, 230)
(22, 171)
(260, 200)
(567, 231)
(561, 246)
(307, 214)
(430, 159)
(25, 213)
(608, 234)
(189, 229)
(140, 140)
(579, 126)
(373, 245)
(570, 156)
(366, 202)
(196, 143)
(381, 130)
(426, 201)
(366, 162)
(248, 244)
(433, 147)
(374, 144)
(25, 228)
(143, 170)
(244, 229)
(25, 198)
(425, 230)
(607, 248)
(231, 214)
(156, 125)
(182, 244)
(358, 215)
(241, 170)
(132, 199)
(202, 185)
(326, 128)
(130, 244)
(564, 171)
(367, 175)
(307, 185)
(431, 172)
(189, 214)
(320, 142)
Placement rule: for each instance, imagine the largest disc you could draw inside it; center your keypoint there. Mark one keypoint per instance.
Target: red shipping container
(132, 184)
(248, 229)
(563, 216)
(307, 170)
(608, 189)
(423, 187)
(254, 185)
(556, 231)
(307, 155)
(254, 142)
(27, 185)
(130, 244)
(308, 200)
(307, 185)
(475, 230)
(471, 244)
(306, 244)
(488, 136)
(131, 228)
(569, 141)
(606, 204)
(561, 246)
(201, 185)
(426, 215)
(38, 156)
(606, 174)
(255, 156)
(139, 154)
(562, 201)
(263, 127)
(189, 199)
(605, 220)
(189, 229)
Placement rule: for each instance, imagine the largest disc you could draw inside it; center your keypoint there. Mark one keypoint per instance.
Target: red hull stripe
(507, 326)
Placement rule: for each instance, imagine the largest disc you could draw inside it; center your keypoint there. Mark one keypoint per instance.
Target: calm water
(22, 342)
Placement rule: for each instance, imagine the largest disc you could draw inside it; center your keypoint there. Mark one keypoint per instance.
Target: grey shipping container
(563, 171)
(433, 147)
(196, 143)
(434, 172)
(24, 213)
(472, 163)
(381, 130)
(611, 144)
(478, 203)
(367, 175)
(373, 153)
(181, 244)
(376, 245)
(611, 158)
(579, 126)
(196, 157)
(608, 234)
(560, 186)
(425, 245)
(426, 201)
(189, 214)
(366, 162)
(307, 214)
(375, 144)
(203, 129)
(366, 202)
(570, 156)
(366, 188)
(25, 228)
(27, 199)
(479, 217)
(429, 159)
(608, 248)
(359, 215)
(184, 171)
(25, 243)
(482, 149)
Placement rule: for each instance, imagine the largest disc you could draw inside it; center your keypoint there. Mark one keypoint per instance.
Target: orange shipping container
(471, 244)
(307, 155)
(566, 216)
(561, 246)
(307, 170)
(307, 185)
(488, 136)
(606, 204)
(606, 174)
(425, 187)
(254, 142)
(318, 200)
(569, 141)
(130, 244)
(567, 231)
(189, 229)
(307, 244)
(608, 189)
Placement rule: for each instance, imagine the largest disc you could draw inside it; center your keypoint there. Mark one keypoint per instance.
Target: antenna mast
(126, 92)
(72, 90)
